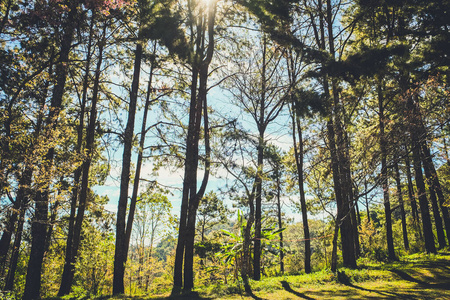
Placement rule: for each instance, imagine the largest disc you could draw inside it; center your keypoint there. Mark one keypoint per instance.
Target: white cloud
(111, 207)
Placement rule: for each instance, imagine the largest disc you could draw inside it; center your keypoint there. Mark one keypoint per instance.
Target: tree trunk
(245, 268)
(411, 195)
(298, 152)
(134, 195)
(5, 241)
(69, 266)
(434, 205)
(353, 202)
(261, 122)
(191, 198)
(23, 197)
(65, 285)
(195, 200)
(9, 285)
(338, 154)
(423, 202)
(38, 235)
(24, 193)
(433, 180)
(280, 222)
(51, 223)
(402, 206)
(322, 24)
(414, 121)
(5, 17)
(258, 207)
(334, 249)
(119, 254)
(189, 181)
(384, 176)
(343, 212)
(353, 205)
(39, 224)
(367, 200)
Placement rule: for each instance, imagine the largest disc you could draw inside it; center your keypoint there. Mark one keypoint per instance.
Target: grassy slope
(414, 277)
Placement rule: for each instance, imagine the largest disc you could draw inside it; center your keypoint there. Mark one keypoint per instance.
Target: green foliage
(211, 212)
(372, 241)
(94, 266)
(400, 47)
(21, 272)
(308, 102)
(207, 248)
(6, 295)
(165, 247)
(153, 223)
(232, 249)
(165, 26)
(321, 238)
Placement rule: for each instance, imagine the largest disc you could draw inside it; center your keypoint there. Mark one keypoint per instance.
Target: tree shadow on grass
(251, 294)
(407, 277)
(184, 296)
(383, 293)
(288, 288)
(189, 296)
(345, 280)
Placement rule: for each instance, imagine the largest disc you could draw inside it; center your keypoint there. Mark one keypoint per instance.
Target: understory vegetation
(218, 148)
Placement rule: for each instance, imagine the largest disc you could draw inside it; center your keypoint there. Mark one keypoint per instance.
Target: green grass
(417, 276)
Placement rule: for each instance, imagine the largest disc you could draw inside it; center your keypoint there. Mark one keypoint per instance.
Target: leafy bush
(6, 295)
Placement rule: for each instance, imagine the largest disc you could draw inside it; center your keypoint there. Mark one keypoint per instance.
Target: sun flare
(206, 2)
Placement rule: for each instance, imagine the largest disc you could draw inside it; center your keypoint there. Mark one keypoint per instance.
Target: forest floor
(417, 276)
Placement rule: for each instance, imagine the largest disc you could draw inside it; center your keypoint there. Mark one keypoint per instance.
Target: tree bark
(194, 201)
(340, 163)
(191, 197)
(433, 181)
(352, 199)
(414, 121)
(260, 165)
(384, 176)
(402, 206)
(258, 207)
(333, 266)
(9, 284)
(38, 234)
(423, 202)
(6, 15)
(190, 180)
(119, 254)
(24, 193)
(298, 152)
(5, 241)
(69, 265)
(134, 195)
(23, 198)
(280, 221)
(64, 288)
(411, 194)
(39, 224)
(434, 204)
(367, 201)
(245, 268)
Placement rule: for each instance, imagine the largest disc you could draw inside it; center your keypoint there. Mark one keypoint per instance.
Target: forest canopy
(155, 145)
